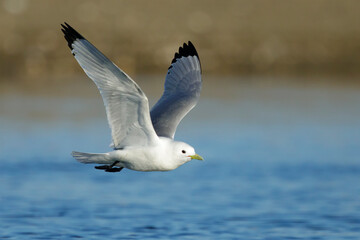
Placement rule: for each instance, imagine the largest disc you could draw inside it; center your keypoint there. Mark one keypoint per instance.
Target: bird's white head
(183, 153)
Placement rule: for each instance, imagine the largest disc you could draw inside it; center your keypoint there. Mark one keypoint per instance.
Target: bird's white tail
(100, 158)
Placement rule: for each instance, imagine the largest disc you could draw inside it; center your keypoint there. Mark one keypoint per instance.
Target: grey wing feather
(127, 107)
(182, 91)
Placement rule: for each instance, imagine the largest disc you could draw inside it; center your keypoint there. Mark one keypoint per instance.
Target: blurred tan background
(233, 38)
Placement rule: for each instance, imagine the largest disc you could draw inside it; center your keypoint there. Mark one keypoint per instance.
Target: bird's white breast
(157, 157)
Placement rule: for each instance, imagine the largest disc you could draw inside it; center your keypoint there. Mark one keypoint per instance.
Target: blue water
(280, 165)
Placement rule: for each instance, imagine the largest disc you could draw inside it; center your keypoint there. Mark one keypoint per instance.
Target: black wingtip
(185, 51)
(70, 34)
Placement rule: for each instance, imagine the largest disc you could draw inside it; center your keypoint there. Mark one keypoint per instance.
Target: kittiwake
(142, 140)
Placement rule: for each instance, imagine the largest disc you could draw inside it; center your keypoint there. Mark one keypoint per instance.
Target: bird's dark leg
(110, 168)
(114, 163)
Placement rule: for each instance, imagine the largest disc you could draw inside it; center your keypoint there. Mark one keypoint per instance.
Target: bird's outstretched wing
(182, 91)
(127, 107)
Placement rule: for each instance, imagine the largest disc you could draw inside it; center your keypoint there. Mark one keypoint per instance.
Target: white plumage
(142, 141)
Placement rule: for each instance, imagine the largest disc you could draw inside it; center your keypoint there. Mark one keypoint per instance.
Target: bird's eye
(183, 151)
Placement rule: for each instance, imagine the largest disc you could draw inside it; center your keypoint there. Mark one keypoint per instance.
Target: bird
(142, 140)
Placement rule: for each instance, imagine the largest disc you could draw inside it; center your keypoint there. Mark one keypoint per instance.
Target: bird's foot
(102, 167)
(110, 168)
(117, 169)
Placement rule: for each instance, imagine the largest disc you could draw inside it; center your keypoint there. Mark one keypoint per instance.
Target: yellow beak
(196, 156)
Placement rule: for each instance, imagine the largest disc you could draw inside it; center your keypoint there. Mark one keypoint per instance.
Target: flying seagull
(142, 140)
